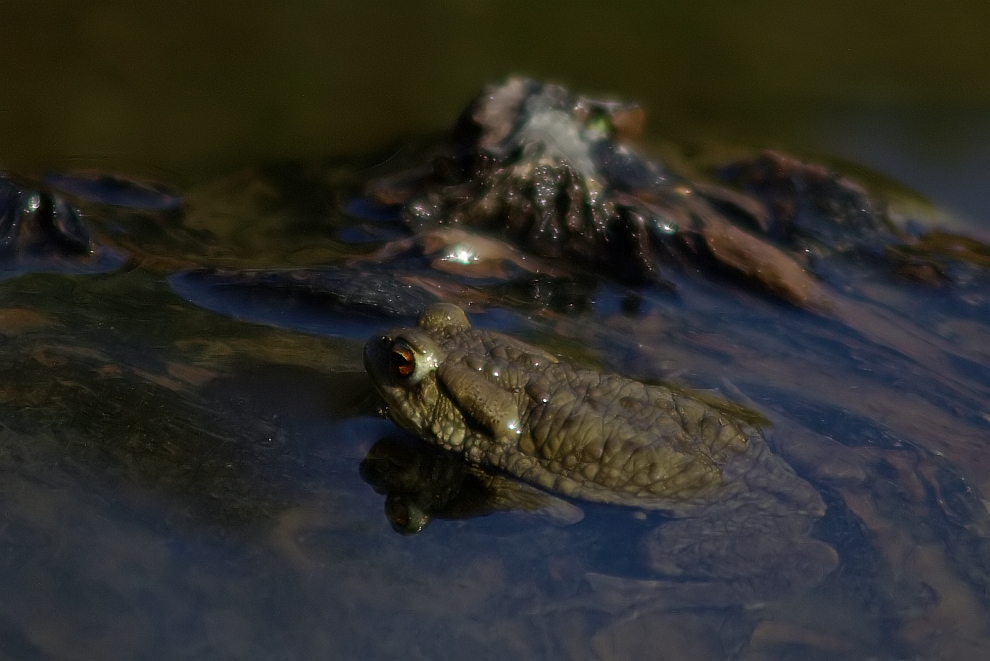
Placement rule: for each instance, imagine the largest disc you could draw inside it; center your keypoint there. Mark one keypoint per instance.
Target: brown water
(184, 484)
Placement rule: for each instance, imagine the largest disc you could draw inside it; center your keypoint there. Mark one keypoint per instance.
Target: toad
(737, 517)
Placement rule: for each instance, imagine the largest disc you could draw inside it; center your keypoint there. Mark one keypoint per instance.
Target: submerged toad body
(739, 514)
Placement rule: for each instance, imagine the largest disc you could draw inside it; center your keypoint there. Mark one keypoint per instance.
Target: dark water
(181, 462)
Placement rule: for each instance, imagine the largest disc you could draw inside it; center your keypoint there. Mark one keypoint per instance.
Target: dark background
(191, 88)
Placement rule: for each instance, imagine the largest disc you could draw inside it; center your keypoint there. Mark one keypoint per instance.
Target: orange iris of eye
(403, 361)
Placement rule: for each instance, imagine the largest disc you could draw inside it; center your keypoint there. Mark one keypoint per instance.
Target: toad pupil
(402, 361)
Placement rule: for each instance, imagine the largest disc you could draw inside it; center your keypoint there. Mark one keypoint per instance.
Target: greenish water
(191, 87)
(178, 483)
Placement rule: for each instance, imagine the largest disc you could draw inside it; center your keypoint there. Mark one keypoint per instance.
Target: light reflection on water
(180, 484)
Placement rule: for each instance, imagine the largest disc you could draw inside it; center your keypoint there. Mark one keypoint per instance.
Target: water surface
(182, 465)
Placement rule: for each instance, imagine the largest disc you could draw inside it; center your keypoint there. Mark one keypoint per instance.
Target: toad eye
(405, 360)
(401, 360)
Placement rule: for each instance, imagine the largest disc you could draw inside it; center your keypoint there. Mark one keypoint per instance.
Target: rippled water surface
(189, 465)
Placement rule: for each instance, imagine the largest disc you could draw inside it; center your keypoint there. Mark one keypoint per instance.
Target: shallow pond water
(186, 461)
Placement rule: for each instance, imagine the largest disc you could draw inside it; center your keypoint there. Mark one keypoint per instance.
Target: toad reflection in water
(741, 517)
